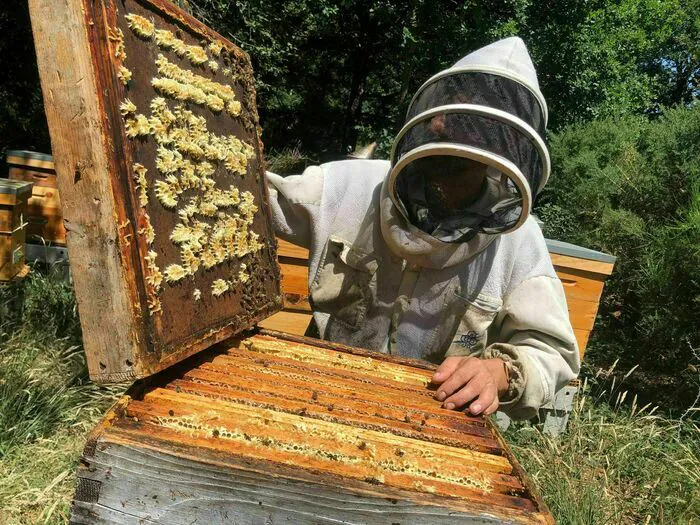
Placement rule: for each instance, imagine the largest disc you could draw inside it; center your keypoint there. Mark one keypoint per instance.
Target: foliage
(631, 187)
(329, 88)
(330, 75)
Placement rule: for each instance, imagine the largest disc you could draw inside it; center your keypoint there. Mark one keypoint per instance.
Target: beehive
(270, 428)
(44, 219)
(156, 144)
(14, 196)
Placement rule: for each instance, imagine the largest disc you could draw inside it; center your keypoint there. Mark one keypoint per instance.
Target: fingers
(492, 409)
(447, 368)
(463, 374)
(480, 393)
(485, 400)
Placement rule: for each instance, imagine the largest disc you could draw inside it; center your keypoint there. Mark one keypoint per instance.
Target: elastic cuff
(516, 374)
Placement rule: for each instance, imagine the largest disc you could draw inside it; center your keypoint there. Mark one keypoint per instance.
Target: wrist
(499, 371)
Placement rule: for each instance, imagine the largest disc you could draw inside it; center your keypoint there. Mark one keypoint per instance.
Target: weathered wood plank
(287, 249)
(154, 134)
(565, 261)
(91, 211)
(289, 322)
(141, 484)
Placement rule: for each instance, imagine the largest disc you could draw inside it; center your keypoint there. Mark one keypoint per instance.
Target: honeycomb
(333, 413)
(214, 218)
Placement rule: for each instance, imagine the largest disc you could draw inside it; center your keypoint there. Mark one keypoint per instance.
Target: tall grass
(47, 404)
(616, 463)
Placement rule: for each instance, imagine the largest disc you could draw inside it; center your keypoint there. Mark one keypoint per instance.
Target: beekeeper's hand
(472, 381)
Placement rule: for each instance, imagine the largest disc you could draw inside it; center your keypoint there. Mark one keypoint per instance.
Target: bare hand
(470, 380)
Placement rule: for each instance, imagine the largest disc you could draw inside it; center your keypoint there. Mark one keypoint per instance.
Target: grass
(616, 463)
(47, 404)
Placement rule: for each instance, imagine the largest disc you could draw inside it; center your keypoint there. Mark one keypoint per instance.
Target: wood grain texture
(587, 265)
(287, 249)
(582, 337)
(290, 322)
(131, 327)
(165, 488)
(286, 430)
(82, 156)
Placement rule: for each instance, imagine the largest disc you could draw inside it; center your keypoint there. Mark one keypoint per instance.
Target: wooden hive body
(14, 196)
(44, 217)
(223, 426)
(280, 429)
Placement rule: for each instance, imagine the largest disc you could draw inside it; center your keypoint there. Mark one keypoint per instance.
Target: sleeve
(536, 340)
(295, 201)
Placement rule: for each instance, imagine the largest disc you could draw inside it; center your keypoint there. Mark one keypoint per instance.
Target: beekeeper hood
(471, 157)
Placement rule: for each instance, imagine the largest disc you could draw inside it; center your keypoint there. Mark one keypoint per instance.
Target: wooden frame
(134, 325)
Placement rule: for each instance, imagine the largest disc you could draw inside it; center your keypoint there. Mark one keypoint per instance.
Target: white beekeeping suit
(403, 264)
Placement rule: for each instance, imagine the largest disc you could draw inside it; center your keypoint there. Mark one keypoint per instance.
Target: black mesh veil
(486, 133)
(484, 89)
(471, 156)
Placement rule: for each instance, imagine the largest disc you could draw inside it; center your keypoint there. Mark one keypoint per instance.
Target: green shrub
(631, 187)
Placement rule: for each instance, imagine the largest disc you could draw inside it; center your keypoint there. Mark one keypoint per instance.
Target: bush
(631, 187)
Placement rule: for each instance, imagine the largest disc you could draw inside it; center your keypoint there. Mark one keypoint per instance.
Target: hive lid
(573, 250)
(17, 188)
(30, 158)
(155, 136)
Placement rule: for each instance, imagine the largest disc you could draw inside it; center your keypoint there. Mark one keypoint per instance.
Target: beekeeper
(433, 254)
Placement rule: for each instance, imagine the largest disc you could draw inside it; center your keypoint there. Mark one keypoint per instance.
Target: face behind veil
(472, 154)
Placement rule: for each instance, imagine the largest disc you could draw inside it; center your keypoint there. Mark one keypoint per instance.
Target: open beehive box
(156, 143)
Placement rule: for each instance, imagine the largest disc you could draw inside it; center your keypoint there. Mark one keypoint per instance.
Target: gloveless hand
(465, 380)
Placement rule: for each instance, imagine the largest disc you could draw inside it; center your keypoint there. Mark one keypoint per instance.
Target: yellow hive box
(14, 196)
